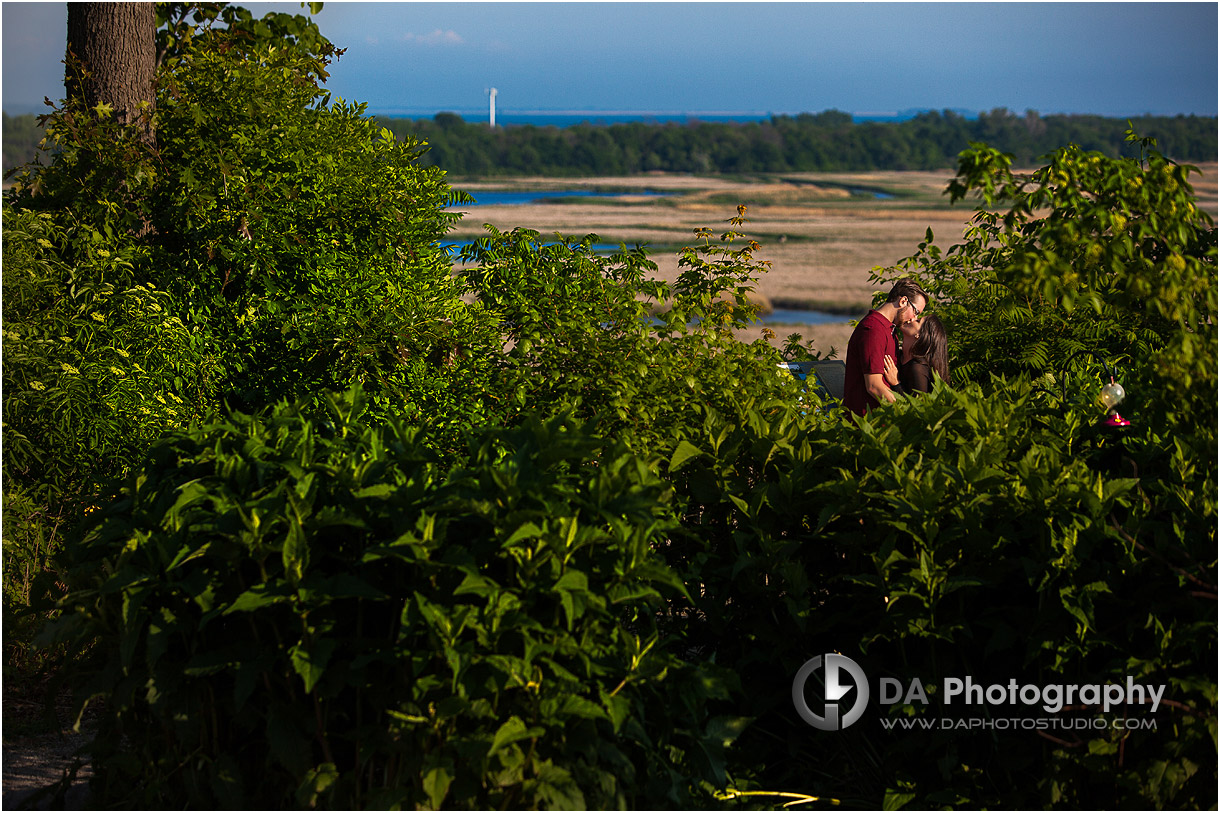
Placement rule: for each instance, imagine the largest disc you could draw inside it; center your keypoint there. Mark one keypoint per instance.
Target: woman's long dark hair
(933, 346)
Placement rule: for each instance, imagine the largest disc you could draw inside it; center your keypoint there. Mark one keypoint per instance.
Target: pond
(874, 193)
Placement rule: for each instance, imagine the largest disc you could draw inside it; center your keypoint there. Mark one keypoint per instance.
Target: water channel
(504, 197)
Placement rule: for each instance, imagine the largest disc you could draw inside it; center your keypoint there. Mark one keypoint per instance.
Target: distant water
(501, 197)
(454, 246)
(790, 316)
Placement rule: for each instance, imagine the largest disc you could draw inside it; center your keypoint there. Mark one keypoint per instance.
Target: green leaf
(526, 531)
(310, 660)
(573, 580)
(475, 584)
(684, 452)
(511, 731)
(726, 729)
(189, 493)
(377, 490)
(296, 550)
(572, 587)
(618, 708)
(261, 595)
(436, 785)
(896, 800)
(574, 705)
(315, 782)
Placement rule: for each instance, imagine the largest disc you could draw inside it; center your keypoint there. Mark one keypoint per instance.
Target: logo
(835, 665)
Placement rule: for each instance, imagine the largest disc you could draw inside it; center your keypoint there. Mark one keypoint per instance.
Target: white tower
(492, 109)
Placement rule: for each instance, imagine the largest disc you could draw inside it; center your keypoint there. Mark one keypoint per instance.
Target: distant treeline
(20, 138)
(825, 141)
(808, 142)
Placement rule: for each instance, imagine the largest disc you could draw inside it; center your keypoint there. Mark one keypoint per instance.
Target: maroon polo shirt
(870, 343)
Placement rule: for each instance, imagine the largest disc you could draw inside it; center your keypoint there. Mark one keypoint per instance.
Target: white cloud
(437, 37)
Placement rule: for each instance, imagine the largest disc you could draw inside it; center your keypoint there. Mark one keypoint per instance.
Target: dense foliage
(328, 614)
(972, 532)
(347, 529)
(1094, 258)
(804, 143)
(144, 287)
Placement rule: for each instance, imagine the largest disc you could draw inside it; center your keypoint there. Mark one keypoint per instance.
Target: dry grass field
(821, 239)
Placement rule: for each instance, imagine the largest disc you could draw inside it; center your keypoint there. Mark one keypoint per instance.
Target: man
(864, 384)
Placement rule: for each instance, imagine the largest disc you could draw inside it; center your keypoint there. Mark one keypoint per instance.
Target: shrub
(96, 366)
(272, 245)
(595, 334)
(287, 613)
(968, 532)
(1094, 258)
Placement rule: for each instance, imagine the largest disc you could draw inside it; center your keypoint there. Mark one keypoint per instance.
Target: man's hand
(891, 371)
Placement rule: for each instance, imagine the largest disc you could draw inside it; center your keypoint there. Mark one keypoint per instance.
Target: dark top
(870, 343)
(915, 375)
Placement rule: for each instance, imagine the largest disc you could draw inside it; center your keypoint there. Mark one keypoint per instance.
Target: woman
(925, 350)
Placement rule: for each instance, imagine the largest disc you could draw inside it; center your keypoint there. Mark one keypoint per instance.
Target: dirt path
(35, 762)
(37, 753)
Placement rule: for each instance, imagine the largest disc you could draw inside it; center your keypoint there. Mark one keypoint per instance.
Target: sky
(1113, 59)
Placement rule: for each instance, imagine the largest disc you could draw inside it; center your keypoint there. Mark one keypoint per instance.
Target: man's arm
(874, 384)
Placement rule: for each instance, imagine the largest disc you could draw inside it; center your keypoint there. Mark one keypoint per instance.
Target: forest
(827, 141)
(304, 514)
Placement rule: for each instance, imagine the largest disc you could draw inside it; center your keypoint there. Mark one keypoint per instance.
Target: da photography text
(840, 674)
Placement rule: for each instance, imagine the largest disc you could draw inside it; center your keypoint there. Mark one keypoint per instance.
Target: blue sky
(1114, 59)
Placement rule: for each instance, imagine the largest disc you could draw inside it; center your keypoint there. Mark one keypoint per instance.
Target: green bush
(97, 365)
(968, 532)
(597, 335)
(272, 246)
(1095, 258)
(285, 613)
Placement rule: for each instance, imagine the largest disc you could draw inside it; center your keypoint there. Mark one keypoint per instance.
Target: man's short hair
(909, 288)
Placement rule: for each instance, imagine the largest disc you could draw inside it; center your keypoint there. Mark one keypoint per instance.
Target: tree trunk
(112, 60)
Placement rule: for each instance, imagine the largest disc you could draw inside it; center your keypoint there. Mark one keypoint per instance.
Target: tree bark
(112, 53)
